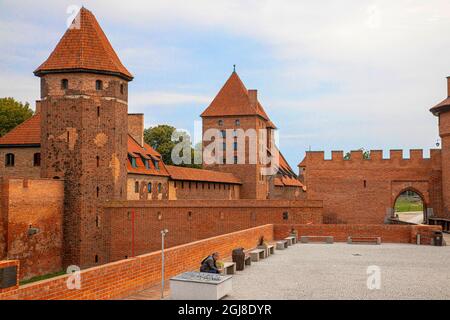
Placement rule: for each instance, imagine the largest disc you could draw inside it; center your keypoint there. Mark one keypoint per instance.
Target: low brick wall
(340, 232)
(133, 227)
(121, 278)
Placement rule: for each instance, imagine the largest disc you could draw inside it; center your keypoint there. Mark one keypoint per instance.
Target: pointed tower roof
(233, 100)
(84, 48)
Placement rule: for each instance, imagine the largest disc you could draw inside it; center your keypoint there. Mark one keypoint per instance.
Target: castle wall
(143, 181)
(185, 190)
(36, 203)
(192, 220)
(362, 191)
(23, 162)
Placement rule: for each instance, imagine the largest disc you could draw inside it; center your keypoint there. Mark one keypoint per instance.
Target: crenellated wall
(361, 190)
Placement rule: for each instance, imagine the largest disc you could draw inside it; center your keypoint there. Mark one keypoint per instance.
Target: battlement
(376, 156)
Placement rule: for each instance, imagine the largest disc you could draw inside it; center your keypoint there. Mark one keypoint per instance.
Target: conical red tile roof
(233, 100)
(84, 47)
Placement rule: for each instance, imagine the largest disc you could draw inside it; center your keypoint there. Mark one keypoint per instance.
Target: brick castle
(79, 186)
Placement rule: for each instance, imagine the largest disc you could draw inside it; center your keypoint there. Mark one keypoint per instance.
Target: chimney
(253, 97)
(448, 86)
(136, 127)
(38, 107)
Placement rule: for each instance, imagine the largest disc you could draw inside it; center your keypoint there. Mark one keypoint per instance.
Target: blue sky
(332, 75)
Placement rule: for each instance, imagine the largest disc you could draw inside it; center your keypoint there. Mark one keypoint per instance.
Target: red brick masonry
(118, 279)
(340, 232)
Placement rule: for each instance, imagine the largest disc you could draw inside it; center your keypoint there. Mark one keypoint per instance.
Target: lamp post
(163, 235)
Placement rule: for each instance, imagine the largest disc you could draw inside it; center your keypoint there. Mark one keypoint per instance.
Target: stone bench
(363, 240)
(281, 245)
(258, 254)
(229, 268)
(325, 239)
(247, 261)
(291, 240)
(200, 286)
(271, 249)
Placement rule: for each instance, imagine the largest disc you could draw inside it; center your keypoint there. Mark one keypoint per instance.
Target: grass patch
(43, 277)
(405, 204)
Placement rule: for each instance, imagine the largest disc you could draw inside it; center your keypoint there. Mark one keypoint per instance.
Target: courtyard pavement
(339, 271)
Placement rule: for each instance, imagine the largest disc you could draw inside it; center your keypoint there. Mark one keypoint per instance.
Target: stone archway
(407, 205)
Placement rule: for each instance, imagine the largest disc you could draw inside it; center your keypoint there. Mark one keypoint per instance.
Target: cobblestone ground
(339, 271)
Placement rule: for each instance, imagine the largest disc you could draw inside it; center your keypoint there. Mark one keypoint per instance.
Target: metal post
(163, 235)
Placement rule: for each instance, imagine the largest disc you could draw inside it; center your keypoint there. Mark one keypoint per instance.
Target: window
(133, 161)
(237, 122)
(98, 161)
(121, 89)
(285, 215)
(365, 183)
(220, 122)
(224, 146)
(9, 160)
(156, 164)
(235, 159)
(136, 187)
(98, 112)
(149, 187)
(182, 184)
(96, 258)
(235, 145)
(146, 163)
(64, 84)
(159, 187)
(99, 85)
(98, 191)
(224, 133)
(37, 159)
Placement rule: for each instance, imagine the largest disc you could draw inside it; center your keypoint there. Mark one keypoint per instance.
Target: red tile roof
(233, 100)
(192, 174)
(148, 153)
(84, 47)
(443, 106)
(26, 133)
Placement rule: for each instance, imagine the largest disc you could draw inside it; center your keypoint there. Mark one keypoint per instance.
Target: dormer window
(64, 84)
(156, 164)
(146, 163)
(132, 161)
(99, 85)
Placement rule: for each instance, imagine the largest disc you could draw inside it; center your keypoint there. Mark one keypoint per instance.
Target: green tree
(160, 139)
(366, 154)
(12, 113)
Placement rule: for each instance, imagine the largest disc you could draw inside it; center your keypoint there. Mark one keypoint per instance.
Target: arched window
(64, 84)
(149, 187)
(136, 187)
(37, 159)
(9, 160)
(99, 85)
(159, 187)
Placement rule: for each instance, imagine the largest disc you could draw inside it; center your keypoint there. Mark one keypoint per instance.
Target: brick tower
(84, 94)
(233, 108)
(442, 110)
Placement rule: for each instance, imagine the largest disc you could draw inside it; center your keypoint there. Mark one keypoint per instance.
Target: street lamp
(163, 235)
